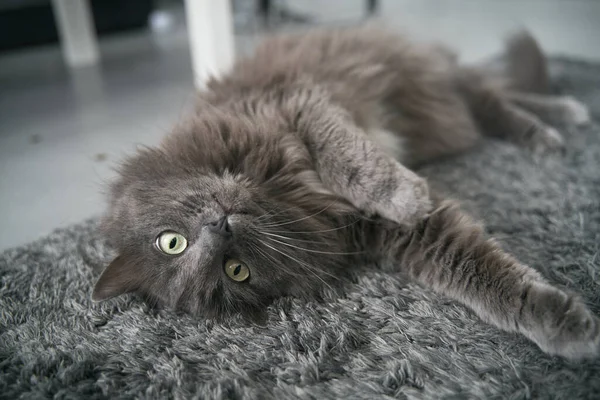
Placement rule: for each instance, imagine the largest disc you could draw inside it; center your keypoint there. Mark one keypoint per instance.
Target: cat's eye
(170, 242)
(237, 270)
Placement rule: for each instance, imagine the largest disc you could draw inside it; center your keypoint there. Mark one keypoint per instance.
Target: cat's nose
(220, 226)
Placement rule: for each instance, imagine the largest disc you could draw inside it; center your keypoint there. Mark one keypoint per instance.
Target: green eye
(237, 270)
(171, 242)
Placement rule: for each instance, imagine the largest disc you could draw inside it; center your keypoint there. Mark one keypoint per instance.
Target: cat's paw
(546, 140)
(560, 323)
(576, 113)
(409, 203)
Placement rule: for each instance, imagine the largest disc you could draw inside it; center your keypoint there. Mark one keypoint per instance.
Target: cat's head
(222, 218)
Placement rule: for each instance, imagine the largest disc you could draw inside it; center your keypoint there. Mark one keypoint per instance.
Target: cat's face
(223, 225)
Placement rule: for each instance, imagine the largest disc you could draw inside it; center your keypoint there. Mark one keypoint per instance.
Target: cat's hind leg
(515, 103)
(499, 116)
(558, 110)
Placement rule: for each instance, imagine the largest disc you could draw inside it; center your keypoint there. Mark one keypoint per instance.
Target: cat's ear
(117, 279)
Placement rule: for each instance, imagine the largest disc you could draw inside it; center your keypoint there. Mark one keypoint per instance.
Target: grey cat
(295, 167)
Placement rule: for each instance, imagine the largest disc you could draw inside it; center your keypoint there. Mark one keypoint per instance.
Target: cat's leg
(431, 118)
(561, 110)
(526, 129)
(498, 116)
(449, 253)
(357, 169)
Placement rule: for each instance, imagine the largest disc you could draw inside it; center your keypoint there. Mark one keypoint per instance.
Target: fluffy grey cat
(295, 167)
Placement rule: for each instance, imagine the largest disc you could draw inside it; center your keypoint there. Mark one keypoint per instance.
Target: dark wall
(34, 24)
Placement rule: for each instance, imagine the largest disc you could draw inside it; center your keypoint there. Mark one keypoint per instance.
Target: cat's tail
(525, 65)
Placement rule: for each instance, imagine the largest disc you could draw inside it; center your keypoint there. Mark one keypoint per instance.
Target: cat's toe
(547, 140)
(577, 113)
(578, 336)
(563, 325)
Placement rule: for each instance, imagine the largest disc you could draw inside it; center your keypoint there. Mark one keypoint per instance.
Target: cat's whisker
(262, 253)
(270, 214)
(302, 264)
(273, 260)
(324, 230)
(300, 219)
(289, 238)
(252, 250)
(316, 251)
(265, 216)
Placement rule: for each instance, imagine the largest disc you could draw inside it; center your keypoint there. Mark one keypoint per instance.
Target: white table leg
(77, 32)
(210, 30)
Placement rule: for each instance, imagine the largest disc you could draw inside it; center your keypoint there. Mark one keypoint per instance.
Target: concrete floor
(61, 131)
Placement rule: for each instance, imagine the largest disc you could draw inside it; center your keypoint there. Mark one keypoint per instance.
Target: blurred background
(82, 83)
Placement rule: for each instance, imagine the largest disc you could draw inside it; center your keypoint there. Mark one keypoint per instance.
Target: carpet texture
(383, 338)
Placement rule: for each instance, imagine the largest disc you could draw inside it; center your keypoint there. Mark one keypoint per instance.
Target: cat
(296, 165)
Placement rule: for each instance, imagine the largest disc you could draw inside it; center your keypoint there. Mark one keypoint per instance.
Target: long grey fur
(382, 338)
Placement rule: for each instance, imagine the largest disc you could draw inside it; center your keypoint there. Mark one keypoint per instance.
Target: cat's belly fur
(385, 82)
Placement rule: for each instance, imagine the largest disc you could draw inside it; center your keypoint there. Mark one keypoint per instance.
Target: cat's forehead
(192, 187)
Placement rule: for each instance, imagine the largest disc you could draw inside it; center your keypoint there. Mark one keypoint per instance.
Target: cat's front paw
(560, 324)
(409, 203)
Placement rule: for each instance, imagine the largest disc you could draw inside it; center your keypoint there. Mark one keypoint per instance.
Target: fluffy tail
(525, 64)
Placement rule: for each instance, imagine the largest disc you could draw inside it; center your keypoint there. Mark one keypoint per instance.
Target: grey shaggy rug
(383, 338)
